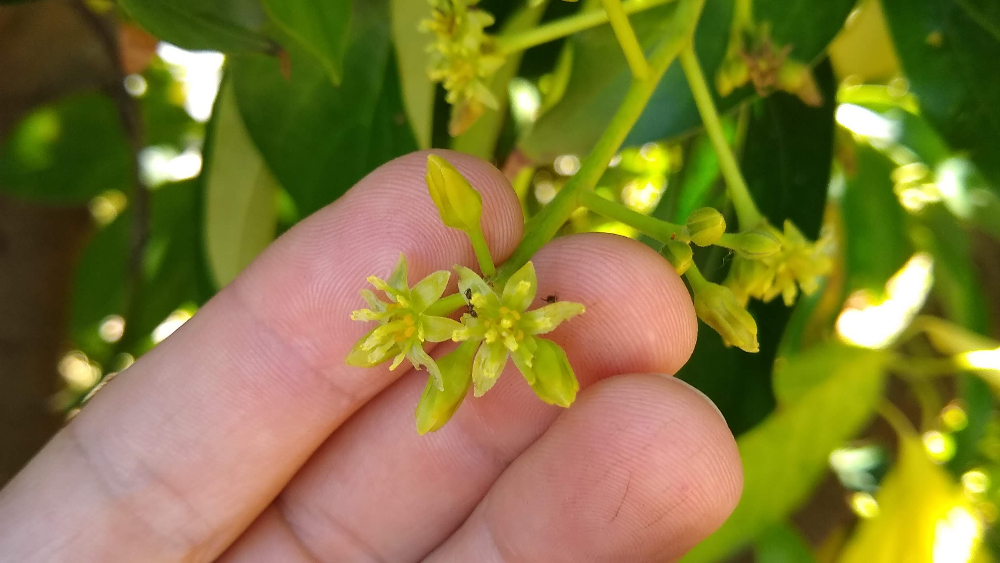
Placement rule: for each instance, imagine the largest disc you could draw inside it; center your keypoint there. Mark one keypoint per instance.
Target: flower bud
(718, 308)
(706, 226)
(679, 255)
(753, 277)
(757, 243)
(436, 406)
(459, 203)
(796, 78)
(733, 74)
(554, 380)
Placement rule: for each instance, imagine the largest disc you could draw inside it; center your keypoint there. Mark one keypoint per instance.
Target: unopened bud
(437, 406)
(718, 308)
(733, 74)
(459, 203)
(679, 255)
(796, 78)
(706, 226)
(554, 381)
(757, 243)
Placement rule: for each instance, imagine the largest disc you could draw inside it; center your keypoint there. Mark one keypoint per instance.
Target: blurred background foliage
(149, 149)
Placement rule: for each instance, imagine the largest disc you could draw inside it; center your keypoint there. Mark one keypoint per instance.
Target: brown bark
(47, 50)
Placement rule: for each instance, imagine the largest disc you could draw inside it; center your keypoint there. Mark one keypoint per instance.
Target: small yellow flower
(507, 329)
(718, 308)
(464, 56)
(799, 265)
(437, 406)
(403, 324)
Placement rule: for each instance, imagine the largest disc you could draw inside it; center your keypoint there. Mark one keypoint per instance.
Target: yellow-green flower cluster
(464, 56)
(797, 266)
(404, 325)
(497, 327)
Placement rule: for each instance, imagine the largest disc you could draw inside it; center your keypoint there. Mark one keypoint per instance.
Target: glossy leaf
(319, 139)
(67, 152)
(240, 198)
(949, 51)
(218, 25)
(414, 60)
(600, 75)
(786, 455)
(318, 27)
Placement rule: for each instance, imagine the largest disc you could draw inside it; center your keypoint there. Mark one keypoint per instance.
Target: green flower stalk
(507, 329)
(403, 324)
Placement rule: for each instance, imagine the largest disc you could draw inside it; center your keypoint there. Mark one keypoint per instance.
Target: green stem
(746, 210)
(543, 226)
(626, 38)
(482, 251)
(651, 226)
(564, 27)
(695, 279)
(446, 305)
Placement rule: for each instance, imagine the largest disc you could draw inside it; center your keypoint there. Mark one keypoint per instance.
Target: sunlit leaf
(240, 194)
(786, 455)
(414, 60)
(923, 515)
(319, 27)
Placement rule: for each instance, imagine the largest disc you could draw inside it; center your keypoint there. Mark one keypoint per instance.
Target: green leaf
(199, 25)
(949, 50)
(241, 194)
(319, 27)
(413, 61)
(67, 152)
(786, 164)
(782, 543)
(876, 246)
(600, 75)
(318, 139)
(785, 457)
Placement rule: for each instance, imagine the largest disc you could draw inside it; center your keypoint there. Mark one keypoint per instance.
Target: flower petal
(436, 406)
(547, 318)
(472, 329)
(521, 288)
(439, 329)
(419, 359)
(467, 279)
(397, 280)
(488, 365)
(555, 383)
(367, 357)
(429, 290)
(523, 358)
(374, 303)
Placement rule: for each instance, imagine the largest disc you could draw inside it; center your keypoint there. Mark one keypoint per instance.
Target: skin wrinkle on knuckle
(330, 524)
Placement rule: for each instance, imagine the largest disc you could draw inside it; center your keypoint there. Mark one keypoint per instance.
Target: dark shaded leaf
(319, 139)
(218, 25)
(949, 50)
(320, 28)
(67, 152)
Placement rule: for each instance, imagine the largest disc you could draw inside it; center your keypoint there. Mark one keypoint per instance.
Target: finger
(376, 490)
(641, 470)
(178, 454)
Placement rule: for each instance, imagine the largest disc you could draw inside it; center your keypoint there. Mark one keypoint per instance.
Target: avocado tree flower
(506, 328)
(404, 324)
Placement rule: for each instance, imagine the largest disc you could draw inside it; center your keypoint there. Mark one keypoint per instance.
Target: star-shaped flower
(403, 323)
(507, 329)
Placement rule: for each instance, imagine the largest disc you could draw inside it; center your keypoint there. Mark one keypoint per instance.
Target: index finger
(175, 457)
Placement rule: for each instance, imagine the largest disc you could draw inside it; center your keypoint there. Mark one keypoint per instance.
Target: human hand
(245, 437)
